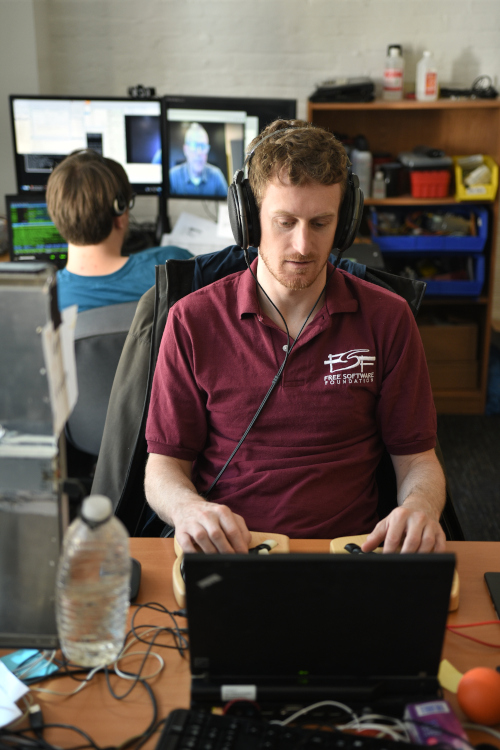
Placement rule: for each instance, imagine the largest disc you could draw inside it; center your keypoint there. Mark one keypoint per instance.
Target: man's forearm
(413, 526)
(421, 483)
(168, 485)
(198, 524)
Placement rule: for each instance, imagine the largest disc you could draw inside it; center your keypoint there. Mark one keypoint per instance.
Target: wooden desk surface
(111, 722)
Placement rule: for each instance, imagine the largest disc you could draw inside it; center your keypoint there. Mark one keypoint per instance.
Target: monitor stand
(163, 221)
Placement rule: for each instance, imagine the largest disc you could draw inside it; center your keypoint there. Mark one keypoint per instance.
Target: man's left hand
(413, 526)
(407, 529)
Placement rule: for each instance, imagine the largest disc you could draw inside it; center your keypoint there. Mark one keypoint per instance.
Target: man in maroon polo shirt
(355, 381)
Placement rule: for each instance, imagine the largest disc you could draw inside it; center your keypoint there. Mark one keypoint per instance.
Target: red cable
(454, 628)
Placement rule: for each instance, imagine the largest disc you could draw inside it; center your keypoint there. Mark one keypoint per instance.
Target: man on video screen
(195, 176)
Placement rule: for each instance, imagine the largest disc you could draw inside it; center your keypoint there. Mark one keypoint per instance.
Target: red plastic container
(430, 184)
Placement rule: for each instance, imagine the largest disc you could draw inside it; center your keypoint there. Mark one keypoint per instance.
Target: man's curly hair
(303, 155)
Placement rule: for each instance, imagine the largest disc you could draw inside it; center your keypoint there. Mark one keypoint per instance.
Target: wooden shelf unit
(459, 127)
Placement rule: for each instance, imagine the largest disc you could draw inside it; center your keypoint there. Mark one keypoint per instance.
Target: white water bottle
(393, 74)
(426, 89)
(93, 585)
(378, 186)
(362, 164)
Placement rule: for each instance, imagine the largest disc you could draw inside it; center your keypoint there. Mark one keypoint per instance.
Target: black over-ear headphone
(244, 214)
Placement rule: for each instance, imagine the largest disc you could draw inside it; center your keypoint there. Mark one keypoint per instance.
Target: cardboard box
(449, 342)
(451, 352)
(453, 373)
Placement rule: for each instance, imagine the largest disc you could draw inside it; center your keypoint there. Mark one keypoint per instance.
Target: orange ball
(479, 695)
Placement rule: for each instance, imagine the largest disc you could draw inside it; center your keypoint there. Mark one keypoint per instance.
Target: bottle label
(393, 80)
(431, 83)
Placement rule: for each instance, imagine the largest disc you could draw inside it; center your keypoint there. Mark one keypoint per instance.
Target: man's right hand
(199, 524)
(209, 527)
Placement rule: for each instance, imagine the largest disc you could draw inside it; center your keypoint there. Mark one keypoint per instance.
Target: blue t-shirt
(213, 182)
(125, 285)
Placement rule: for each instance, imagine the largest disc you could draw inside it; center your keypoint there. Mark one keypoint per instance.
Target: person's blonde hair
(305, 154)
(80, 195)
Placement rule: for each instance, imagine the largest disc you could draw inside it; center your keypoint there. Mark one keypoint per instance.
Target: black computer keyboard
(196, 730)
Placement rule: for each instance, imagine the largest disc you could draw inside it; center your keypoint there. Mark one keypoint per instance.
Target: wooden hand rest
(337, 546)
(282, 544)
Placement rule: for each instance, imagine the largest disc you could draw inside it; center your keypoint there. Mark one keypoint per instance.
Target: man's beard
(296, 282)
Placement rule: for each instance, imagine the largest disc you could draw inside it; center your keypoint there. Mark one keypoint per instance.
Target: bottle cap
(427, 53)
(394, 49)
(96, 509)
(361, 143)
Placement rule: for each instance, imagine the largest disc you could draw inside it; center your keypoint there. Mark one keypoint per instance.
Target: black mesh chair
(122, 459)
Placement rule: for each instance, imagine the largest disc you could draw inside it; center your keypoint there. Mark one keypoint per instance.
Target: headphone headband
(244, 213)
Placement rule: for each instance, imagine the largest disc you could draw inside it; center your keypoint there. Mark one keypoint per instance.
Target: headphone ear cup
(234, 210)
(350, 215)
(253, 218)
(243, 213)
(119, 205)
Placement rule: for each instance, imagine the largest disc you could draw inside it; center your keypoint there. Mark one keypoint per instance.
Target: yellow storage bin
(476, 192)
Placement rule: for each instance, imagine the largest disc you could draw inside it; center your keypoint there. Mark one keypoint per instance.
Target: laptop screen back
(303, 617)
(32, 233)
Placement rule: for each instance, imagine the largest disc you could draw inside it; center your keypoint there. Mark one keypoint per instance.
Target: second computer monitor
(46, 129)
(206, 140)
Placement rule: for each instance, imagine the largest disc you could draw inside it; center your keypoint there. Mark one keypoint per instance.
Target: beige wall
(18, 75)
(231, 47)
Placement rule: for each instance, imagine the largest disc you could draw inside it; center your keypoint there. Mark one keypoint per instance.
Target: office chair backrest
(120, 467)
(99, 338)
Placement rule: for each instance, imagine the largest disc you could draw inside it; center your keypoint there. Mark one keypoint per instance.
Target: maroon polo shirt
(356, 379)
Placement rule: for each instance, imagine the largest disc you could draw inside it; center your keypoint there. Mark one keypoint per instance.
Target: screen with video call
(46, 129)
(207, 137)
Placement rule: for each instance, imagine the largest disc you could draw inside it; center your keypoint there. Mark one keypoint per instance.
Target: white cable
(125, 676)
(23, 670)
(74, 692)
(396, 725)
(306, 710)
(482, 728)
(380, 728)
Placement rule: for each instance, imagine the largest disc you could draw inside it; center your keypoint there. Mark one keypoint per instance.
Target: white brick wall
(258, 47)
(250, 47)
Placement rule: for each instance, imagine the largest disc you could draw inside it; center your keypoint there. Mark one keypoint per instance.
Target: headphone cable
(282, 366)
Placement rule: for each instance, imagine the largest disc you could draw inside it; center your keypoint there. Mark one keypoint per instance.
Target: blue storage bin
(442, 243)
(470, 288)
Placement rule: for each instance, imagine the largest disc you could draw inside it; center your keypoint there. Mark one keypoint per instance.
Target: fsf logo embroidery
(350, 360)
(355, 359)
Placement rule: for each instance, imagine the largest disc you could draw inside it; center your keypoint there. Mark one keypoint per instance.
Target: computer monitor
(206, 139)
(46, 129)
(32, 235)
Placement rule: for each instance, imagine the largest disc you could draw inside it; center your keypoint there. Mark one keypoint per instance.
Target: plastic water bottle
(362, 162)
(426, 89)
(393, 74)
(93, 585)
(378, 185)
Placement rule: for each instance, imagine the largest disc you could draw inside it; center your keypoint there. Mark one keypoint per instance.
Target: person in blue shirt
(195, 176)
(89, 198)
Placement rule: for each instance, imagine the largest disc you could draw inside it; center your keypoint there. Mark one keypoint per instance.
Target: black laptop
(286, 631)
(32, 235)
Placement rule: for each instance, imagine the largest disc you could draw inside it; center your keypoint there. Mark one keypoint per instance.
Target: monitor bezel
(266, 109)
(60, 256)
(156, 190)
